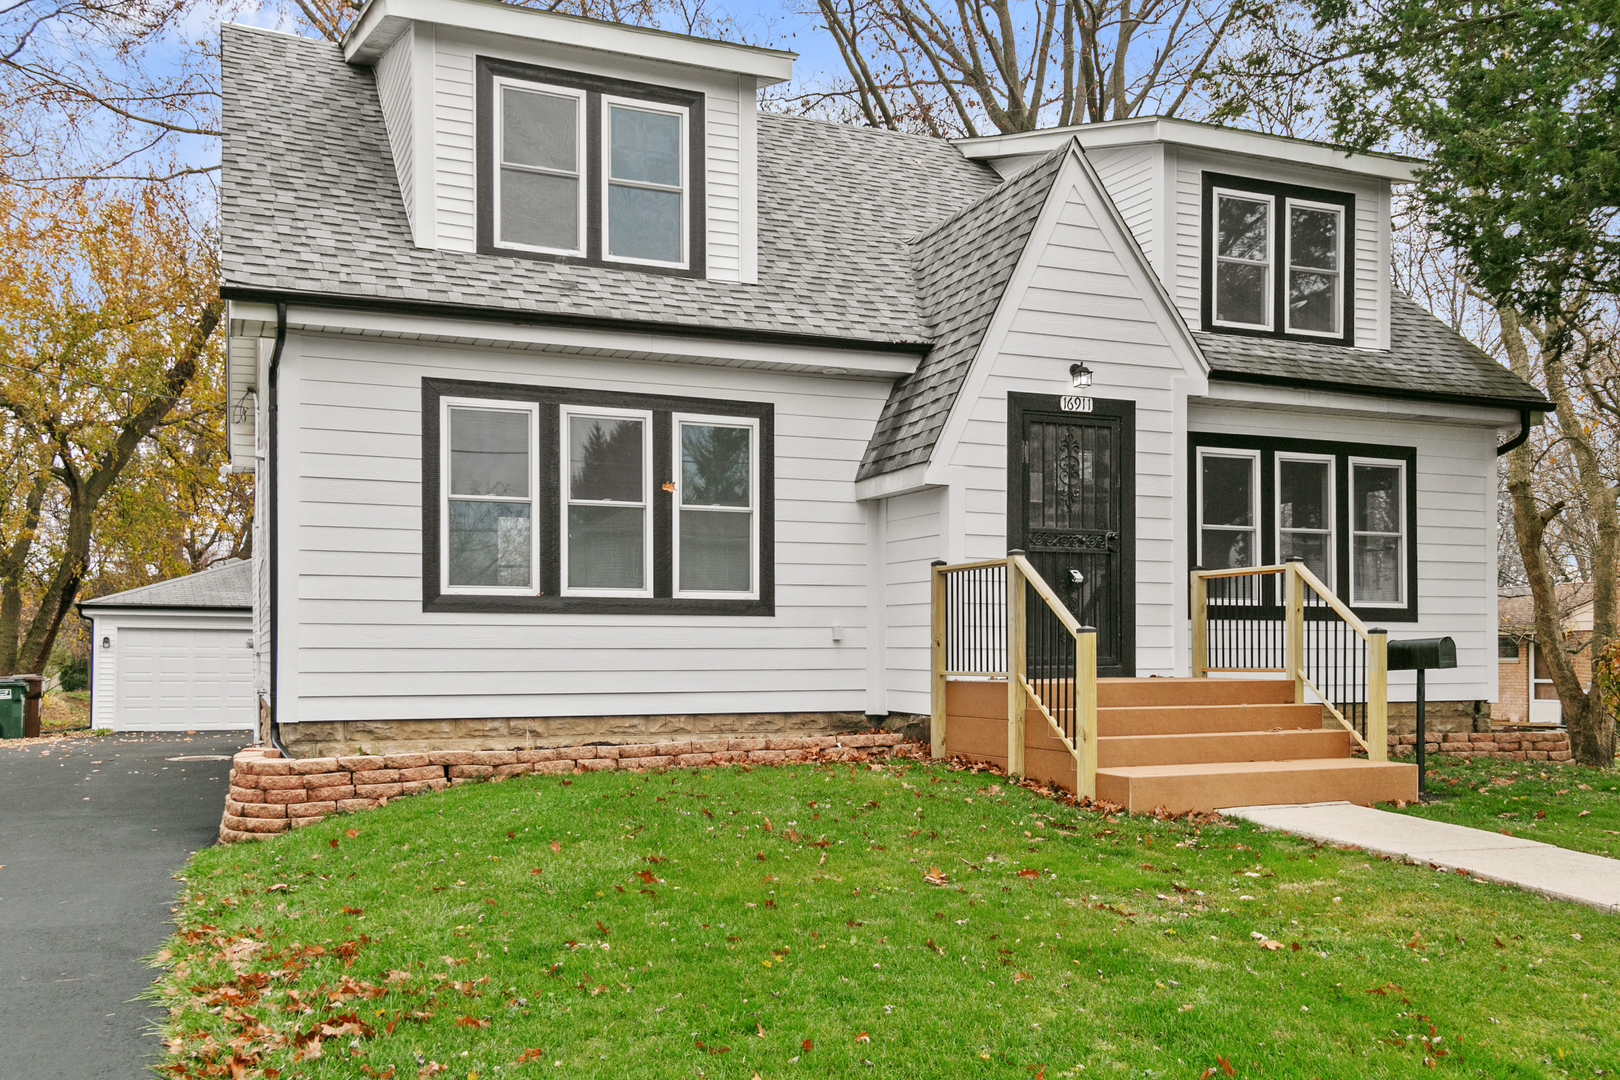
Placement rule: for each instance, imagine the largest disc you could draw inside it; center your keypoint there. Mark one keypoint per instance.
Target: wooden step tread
(1115, 751)
(1139, 692)
(1348, 765)
(1190, 719)
(1209, 786)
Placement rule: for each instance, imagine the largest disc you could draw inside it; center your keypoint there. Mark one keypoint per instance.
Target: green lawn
(781, 922)
(1571, 806)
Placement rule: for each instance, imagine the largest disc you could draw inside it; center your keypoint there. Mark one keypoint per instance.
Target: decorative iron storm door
(1071, 497)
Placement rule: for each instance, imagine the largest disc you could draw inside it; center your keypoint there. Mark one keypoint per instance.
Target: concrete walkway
(1552, 871)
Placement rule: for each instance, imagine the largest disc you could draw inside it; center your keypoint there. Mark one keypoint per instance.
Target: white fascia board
(1159, 129)
(632, 344)
(381, 23)
(1247, 395)
(888, 485)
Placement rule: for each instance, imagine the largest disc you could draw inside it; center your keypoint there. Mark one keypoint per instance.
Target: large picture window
(555, 499)
(1278, 259)
(1346, 509)
(602, 171)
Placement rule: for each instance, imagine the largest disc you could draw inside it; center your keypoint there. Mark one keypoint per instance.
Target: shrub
(75, 674)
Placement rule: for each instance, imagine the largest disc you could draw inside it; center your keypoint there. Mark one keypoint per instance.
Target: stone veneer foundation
(350, 737)
(1503, 745)
(270, 794)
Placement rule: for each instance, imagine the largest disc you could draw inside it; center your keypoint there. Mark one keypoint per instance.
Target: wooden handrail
(1020, 690)
(1297, 576)
(1033, 576)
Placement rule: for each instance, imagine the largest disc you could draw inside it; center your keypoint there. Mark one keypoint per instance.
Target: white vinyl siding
(395, 93)
(1456, 529)
(356, 644)
(1132, 177)
(914, 536)
(1086, 295)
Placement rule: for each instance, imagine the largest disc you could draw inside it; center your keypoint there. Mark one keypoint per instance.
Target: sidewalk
(1552, 871)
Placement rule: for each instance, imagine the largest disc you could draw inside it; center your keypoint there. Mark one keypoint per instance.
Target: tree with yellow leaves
(109, 309)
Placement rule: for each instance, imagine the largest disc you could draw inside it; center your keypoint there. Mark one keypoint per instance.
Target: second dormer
(1251, 234)
(547, 136)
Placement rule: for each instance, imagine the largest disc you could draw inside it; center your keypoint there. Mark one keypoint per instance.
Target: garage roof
(228, 587)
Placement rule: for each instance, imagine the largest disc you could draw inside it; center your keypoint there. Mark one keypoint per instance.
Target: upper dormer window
(1278, 259)
(586, 169)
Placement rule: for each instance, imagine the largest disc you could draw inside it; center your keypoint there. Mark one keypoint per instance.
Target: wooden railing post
(1377, 694)
(1016, 627)
(1085, 711)
(1294, 592)
(1200, 625)
(936, 658)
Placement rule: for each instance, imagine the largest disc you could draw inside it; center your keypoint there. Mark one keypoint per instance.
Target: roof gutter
(574, 322)
(275, 531)
(1519, 439)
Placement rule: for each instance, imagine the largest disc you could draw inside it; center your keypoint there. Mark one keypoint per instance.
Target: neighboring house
(1527, 691)
(590, 403)
(174, 656)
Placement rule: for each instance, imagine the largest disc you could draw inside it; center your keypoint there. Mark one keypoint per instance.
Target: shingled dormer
(551, 137)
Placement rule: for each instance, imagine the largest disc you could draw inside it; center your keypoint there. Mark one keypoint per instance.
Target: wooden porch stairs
(1183, 745)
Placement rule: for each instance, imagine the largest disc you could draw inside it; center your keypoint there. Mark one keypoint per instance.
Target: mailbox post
(1421, 654)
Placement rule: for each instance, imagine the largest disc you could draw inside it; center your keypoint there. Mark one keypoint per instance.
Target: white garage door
(182, 680)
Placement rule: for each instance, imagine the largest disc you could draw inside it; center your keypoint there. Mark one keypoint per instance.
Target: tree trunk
(1591, 728)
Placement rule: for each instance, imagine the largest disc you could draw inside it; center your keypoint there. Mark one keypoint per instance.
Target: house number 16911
(1075, 404)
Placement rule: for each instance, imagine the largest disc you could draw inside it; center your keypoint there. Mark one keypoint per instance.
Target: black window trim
(549, 600)
(1268, 448)
(1280, 194)
(487, 69)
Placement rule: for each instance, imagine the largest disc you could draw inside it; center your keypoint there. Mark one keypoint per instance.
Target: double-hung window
(1278, 259)
(487, 517)
(1378, 532)
(602, 171)
(646, 183)
(559, 499)
(541, 154)
(606, 471)
(715, 528)
(1346, 510)
(1229, 509)
(1243, 253)
(1305, 512)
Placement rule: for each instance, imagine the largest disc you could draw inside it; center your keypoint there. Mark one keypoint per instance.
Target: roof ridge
(1007, 185)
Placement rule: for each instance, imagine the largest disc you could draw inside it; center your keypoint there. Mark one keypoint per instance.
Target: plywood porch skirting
(976, 728)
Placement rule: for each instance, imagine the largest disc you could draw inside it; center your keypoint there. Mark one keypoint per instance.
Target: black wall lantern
(1081, 376)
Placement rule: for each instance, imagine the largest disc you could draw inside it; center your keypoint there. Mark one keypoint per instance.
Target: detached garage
(175, 656)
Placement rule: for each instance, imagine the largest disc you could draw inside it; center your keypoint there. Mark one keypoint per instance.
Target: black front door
(1071, 506)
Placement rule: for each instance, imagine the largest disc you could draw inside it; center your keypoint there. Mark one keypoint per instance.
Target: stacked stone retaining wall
(270, 794)
(1503, 745)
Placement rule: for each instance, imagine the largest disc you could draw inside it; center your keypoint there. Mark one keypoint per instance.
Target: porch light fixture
(1081, 375)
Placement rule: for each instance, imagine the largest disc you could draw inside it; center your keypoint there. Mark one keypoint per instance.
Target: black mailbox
(1420, 653)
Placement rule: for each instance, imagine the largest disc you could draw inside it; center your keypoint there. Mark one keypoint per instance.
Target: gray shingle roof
(1425, 357)
(865, 237)
(310, 205)
(228, 585)
(962, 267)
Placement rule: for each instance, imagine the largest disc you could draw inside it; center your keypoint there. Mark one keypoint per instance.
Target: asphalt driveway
(91, 833)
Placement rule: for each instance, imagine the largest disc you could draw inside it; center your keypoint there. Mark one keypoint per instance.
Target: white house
(588, 402)
(175, 656)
